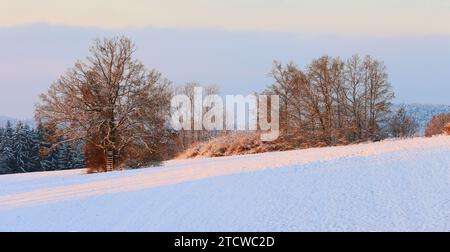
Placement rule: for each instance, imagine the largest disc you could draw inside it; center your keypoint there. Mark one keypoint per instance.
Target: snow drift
(401, 185)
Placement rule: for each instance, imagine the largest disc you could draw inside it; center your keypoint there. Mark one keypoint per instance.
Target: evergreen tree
(4, 169)
(63, 157)
(77, 159)
(47, 156)
(35, 147)
(70, 156)
(56, 156)
(49, 162)
(7, 155)
(25, 149)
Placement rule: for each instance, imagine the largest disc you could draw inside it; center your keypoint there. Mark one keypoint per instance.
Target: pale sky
(368, 17)
(231, 43)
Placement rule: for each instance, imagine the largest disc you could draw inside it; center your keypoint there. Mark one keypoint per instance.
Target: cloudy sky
(228, 42)
(343, 16)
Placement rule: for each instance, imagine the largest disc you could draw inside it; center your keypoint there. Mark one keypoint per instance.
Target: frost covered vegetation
(112, 103)
(330, 102)
(24, 149)
(333, 101)
(110, 112)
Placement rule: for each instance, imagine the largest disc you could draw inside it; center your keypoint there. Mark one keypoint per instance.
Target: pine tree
(49, 163)
(48, 152)
(77, 159)
(7, 155)
(35, 160)
(63, 157)
(26, 149)
(4, 155)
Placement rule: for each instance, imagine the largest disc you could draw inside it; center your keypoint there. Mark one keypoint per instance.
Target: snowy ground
(389, 186)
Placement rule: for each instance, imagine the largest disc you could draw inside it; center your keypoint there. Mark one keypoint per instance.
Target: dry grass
(102, 170)
(234, 144)
(237, 144)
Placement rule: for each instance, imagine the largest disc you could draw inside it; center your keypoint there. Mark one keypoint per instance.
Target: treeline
(119, 109)
(329, 102)
(25, 149)
(335, 101)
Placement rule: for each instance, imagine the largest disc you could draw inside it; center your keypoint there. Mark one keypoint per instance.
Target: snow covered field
(401, 185)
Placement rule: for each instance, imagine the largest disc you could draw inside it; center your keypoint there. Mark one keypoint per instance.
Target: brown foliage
(95, 158)
(235, 144)
(330, 102)
(110, 101)
(437, 124)
(227, 145)
(447, 129)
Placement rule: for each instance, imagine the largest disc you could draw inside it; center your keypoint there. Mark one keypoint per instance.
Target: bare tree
(378, 96)
(355, 96)
(286, 81)
(327, 80)
(190, 137)
(333, 101)
(402, 125)
(110, 101)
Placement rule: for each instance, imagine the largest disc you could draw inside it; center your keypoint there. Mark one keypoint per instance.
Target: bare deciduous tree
(110, 101)
(190, 137)
(402, 125)
(333, 101)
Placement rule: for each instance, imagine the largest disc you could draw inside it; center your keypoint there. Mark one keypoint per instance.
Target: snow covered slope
(401, 185)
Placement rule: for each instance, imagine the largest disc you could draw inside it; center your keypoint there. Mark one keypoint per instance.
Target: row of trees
(333, 101)
(120, 110)
(24, 149)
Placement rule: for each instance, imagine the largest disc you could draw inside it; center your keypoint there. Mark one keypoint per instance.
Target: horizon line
(354, 35)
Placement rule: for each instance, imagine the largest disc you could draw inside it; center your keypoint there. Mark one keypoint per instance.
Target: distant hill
(423, 113)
